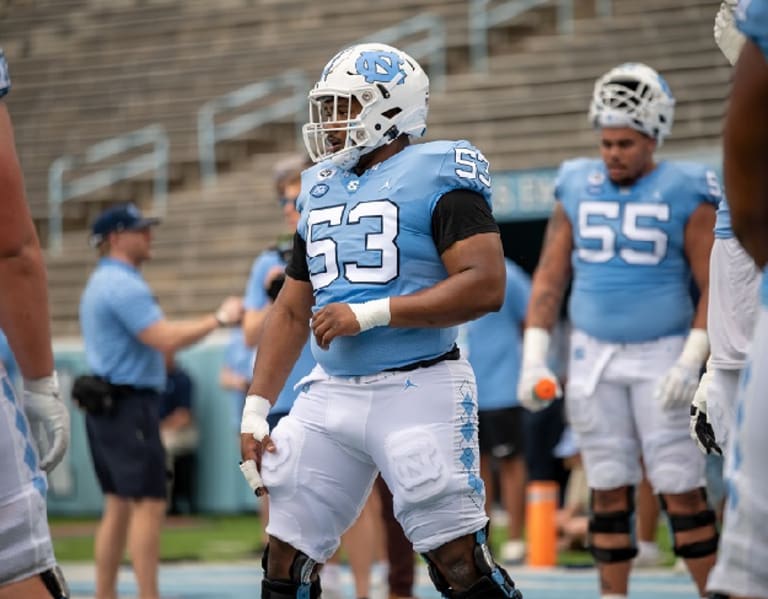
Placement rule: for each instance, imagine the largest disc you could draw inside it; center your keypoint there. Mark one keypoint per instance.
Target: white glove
(48, 418)
(254, 422)
(700, 428)
(727, 36)
(535, 376)
(679, 384)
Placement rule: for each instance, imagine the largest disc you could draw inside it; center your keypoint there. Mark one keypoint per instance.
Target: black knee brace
(299, 586)
(684, 522)
(494, 582)
(619, 522)
(54, 582)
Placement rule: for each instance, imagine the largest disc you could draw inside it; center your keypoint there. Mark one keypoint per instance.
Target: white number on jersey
(474, 165)
(628, 223)
(382, 243)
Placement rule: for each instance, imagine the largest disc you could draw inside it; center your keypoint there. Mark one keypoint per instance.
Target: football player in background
(630, 231)
(741, 563)
(396, 246)
(734, 290)
(28, 567)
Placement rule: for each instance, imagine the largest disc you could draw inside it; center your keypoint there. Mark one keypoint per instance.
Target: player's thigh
(317, 484)
(673, 462)
(25, 542)
(743, 555)
(29, 588)
(423, 437)
(603, 424)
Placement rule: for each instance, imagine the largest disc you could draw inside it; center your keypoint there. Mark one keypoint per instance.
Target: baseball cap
(123, 217)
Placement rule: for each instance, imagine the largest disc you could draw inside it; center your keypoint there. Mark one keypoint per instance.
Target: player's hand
(254, 440)
(230, 311)
(48, 418)
(700, 428)
(727, 35)
(678, 386)
(537, 387)
(333, 320)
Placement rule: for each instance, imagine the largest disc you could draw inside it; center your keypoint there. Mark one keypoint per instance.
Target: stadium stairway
(101, 69)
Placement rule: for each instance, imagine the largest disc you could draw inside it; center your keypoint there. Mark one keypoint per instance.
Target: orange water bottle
(541, 524)
(545, 390)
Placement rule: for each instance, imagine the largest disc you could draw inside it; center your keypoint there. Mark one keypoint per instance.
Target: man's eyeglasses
(283, 201)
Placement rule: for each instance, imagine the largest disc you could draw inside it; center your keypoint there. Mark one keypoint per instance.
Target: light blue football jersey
(752, 20)
(370, 237)
(631, 280)
(723, 228)
(5, 78)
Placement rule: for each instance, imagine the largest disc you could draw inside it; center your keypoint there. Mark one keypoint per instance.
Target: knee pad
(300, 584)
(54, 582)
(685, 522)
(618, 522)
(494, 582)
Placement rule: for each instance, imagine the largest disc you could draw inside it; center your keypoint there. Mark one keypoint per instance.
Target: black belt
(451, 354)
(133, 390)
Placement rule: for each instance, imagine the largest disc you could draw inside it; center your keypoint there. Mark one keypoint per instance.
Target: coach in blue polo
(125, 335)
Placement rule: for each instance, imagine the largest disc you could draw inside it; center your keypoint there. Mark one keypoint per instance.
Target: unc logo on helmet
(368, 95)
(380, 67)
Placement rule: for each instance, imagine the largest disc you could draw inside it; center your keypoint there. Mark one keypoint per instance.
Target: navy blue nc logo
(380, 67)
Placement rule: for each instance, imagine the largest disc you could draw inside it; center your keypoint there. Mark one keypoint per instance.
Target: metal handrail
(60, 191)
(482, 18)
(209, 133)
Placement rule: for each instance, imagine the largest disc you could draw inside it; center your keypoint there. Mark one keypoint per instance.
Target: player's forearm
(253, 326)
(284, 337)
(24, 316)
(553, 272)
(745, 146)
(702, 308)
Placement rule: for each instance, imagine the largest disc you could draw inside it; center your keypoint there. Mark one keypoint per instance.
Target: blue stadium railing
(61, 189)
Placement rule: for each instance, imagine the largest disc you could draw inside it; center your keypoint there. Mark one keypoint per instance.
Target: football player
(28, 567)
(733, 301)
(741, 564)
(395, 247)
(630, 231)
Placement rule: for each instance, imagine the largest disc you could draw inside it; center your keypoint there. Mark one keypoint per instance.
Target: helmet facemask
(635, 96)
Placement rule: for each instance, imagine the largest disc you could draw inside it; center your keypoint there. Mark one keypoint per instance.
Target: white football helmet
(633, 95)
(391, 89)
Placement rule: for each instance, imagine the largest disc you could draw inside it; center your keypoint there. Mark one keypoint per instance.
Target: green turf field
(231, 538)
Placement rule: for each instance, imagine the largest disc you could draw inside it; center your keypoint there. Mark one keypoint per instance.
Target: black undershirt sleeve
(297, 267)
(459, 214)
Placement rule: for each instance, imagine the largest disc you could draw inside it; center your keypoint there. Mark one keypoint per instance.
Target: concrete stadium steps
(203, 250)
(87, 70)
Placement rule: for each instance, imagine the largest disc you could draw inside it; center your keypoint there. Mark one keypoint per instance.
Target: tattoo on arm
(553, 271)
